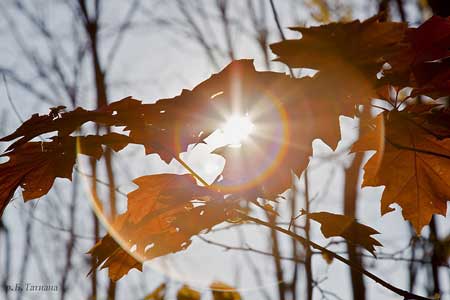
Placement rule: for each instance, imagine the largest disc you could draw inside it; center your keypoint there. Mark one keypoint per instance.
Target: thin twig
(308, 261)
(16, 111)
(280, 30)
(249, 249)
(306, 243)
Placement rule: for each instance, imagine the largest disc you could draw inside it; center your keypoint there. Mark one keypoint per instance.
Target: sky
(155, 61)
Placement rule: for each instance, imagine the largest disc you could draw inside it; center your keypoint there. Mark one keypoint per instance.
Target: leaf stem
(190, 170)
(185, 165)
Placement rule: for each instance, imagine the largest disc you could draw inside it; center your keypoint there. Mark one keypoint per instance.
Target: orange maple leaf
(161, 219)
(346, 227)
(411, 161)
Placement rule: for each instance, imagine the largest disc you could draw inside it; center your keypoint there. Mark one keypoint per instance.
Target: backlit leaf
(161, 219)
(187, 293)
(158, 294)
(333, 225)
(412, 161)
(222, 291)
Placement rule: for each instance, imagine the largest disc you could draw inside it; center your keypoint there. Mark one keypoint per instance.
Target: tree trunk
(350, 202)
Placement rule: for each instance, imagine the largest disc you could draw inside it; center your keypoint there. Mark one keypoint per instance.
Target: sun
(237, 129)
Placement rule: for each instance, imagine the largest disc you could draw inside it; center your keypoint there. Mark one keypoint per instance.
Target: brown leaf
(371, 44)
(160, 219)
(347, 69)
(120, 263)
(162, 191)
(222, 291)
(108, 254)
(433, 79)
(438, 121)
(411, 161)
(424, 63)
(431, 40)
(288, 123)
(327, 257)
(91, 145)
(270, 99)
(65, 124)
(158, 294)
(346, 227)
(187, 293)
(34, 166)
(417, 57)
(287, 115)
(163, 127)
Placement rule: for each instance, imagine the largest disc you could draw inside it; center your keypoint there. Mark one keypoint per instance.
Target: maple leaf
(411, 161)
(286, 122)
(417, 57)
(162, 127)
(161, 219)
(34, 166)
(223, 291)
(158, 294)
(65, 124)
(191, 116)
(424, 63)
(167, 210)
(432, 78)
(346, 227)
(167, 126)
(438, 122)
(162, 191)
(187, 293)
(372, 43)
(91, 145)
(347, 69)
(431, 40)
(108, 254)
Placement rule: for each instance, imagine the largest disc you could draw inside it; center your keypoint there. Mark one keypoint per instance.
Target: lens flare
(255, 127)
(237, 129)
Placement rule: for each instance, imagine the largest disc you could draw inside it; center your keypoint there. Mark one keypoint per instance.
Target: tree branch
(306, 243)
